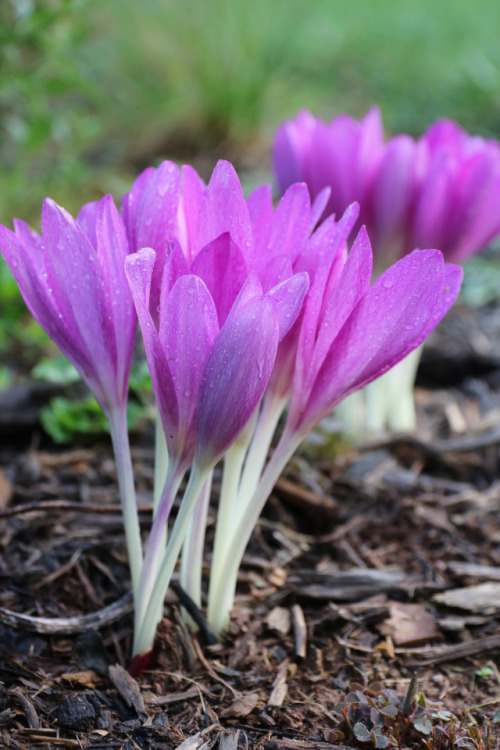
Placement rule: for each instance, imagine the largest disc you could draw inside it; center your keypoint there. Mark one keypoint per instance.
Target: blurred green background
(92, 91)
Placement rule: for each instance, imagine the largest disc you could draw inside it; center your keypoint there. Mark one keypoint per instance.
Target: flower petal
(139, 270)
(235, 376)
(222, 267)
(186, 341)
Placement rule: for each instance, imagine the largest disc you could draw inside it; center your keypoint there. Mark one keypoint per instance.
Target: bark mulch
(380, 565)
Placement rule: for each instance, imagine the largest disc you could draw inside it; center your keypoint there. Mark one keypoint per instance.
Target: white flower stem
(387, 403)
(125, 473)
(223, 587)
(192, 549)
(402, 414)
(161, 461)
(155, 546)
(146, 627)
(272, 409)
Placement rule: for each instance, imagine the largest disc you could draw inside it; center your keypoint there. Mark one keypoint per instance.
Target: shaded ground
(372, 567)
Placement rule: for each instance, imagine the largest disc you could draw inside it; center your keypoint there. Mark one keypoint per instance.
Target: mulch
(371, 566)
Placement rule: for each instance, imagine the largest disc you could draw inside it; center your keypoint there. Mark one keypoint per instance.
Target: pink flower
(207, 379)
(73, 281)
(442, 190)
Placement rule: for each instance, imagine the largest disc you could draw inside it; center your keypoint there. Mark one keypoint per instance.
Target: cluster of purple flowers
(247, 312)
(441, 190)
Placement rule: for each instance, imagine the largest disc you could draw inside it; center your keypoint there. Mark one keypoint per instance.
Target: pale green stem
(237, 487)
(155, 547)
(161, 461)
(351, 413)
(125, 473)
(272, 409)
(401, 415)
(192, 549)
(222, 591)
(146, 628)
(386, 403)
(224, 528)
(376, 404)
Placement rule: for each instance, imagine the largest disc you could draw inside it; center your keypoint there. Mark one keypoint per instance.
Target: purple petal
(112, 249)
(74, 273)
(174, 266)
(288, 298)
(193, 190)
(291, 223)
(186, 341)
(24, 255)
(222, 267)
(139, 270)
(150, 208)
(291, 147)
(392, 319)
(315, 299)
(224, 209)
(393, 191)
(235, 376)
(260, 210)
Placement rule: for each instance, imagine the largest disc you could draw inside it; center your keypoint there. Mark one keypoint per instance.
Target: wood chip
(482, 599)
(6, 490)
(280, 688)
(242, 706)
(88, 678)
(279, 619)
(128, 688)
(299, 631)
(409, 624)
(472, 570)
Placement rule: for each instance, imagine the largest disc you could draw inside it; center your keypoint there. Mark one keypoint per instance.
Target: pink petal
(224, 209)
(139, 270)
(392, 319)
(186, 341)
(288, 297)
(235, 376)
(222, 267)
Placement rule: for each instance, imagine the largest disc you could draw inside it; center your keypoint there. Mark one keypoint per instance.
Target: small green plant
(377, 717)
(64, 418)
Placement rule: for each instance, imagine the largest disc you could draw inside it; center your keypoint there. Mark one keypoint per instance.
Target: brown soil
(381, 563)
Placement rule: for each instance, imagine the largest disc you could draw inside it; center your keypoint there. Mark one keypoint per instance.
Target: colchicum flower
(72, 279)
(441, 190)
(346, 334)
(247, 312)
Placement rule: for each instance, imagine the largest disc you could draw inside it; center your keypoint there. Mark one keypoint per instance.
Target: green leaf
(63, 419)
(422, 724)
(362, 733)
(56, 370)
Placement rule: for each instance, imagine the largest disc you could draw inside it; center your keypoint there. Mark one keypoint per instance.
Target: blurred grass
(91, 91)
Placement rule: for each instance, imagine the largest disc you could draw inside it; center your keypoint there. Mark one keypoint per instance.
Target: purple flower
(208, 380)
(213, 232)
(442, 190)
(73, 281)
(362, 331)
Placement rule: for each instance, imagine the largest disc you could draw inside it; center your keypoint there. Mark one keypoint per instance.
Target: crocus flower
(441, 190)
(208, 382)
(73, 281)
(348, 334)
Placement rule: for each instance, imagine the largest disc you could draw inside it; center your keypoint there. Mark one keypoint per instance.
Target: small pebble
(76, 713)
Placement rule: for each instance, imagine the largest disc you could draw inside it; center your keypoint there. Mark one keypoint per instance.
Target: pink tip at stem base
(140, 663)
